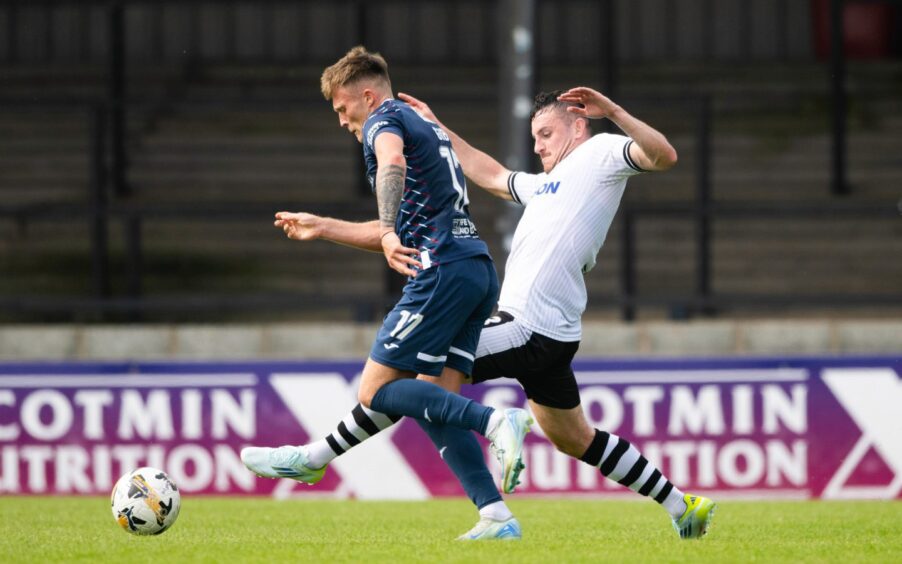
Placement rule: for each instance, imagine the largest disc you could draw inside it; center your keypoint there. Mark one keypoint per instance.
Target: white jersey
(567, 217)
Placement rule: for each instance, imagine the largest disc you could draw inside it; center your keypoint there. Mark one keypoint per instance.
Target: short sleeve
(628, 159)
(381, 123)
(616, 158)
(522, 186)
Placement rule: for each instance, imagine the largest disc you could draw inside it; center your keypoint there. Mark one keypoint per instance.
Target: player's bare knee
(365, 396)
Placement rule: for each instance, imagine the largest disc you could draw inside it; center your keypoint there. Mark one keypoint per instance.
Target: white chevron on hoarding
(872, 397)
(375, 470)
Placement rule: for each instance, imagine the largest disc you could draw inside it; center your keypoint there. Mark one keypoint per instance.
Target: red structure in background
(867, 28)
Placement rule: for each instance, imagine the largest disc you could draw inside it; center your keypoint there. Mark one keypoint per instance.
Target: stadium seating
(245, 142)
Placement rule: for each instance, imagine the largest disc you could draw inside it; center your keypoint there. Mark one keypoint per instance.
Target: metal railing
(704, 300)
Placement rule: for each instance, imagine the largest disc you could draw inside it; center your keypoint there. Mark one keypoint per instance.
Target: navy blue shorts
(439, 318)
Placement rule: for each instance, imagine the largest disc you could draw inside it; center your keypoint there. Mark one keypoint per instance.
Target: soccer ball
(145, 501)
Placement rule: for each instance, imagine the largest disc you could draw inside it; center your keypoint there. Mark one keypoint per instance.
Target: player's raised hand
(399, 257)
(418, 106)
(594, 103)
(299, 225)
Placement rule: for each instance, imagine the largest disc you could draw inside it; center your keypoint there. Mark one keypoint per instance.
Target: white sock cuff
(497, 511)
(379, 419)
(319, 453)
(674, 503)
(495, 419)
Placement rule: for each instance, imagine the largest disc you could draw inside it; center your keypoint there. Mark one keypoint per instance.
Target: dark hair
(548, 100)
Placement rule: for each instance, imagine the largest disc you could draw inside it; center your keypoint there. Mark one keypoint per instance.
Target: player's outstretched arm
(651, 150)
(479, 167)
(302, 226)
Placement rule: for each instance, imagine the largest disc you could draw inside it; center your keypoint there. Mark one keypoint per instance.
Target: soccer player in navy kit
(425, 232)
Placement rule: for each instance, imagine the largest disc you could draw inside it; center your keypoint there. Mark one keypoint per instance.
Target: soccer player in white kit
(569, 208)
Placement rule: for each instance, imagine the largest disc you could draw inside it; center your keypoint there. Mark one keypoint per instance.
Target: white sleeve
(616, 155)
(628, 160)
(522, 186)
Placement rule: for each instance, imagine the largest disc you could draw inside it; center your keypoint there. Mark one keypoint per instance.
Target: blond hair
(357, 64)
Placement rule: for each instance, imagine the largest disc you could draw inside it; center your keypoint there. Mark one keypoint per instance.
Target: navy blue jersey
(434, 216)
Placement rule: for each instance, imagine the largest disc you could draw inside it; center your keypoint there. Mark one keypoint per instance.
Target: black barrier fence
(134, 305)
(704, 301)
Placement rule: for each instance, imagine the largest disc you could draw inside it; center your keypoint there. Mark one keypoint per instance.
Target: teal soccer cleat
(507, 446)
(694, 522)
(489, 529)
(283, 462)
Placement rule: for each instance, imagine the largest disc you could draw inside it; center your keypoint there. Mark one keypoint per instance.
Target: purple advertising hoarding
(788, 427)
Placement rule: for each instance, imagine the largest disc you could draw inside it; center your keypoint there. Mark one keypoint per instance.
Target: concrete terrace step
(27, 181)
(303, 81)
(806, 284)
(294, 118)
(811, 227)
(42, 167)
(161, 165)
(69, 193)
(253, 186)
(675, 189)
(14, 147)
(270, 144)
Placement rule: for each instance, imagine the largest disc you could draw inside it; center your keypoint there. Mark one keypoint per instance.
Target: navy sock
(432, 403)
(462, 453)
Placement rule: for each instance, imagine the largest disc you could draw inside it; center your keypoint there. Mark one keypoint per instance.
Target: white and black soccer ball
(145, 501)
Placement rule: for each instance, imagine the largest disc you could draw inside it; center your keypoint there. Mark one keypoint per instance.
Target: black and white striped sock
(356, 427)
(620, 461)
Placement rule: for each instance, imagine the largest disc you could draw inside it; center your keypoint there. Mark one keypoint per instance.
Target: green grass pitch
(41, 529)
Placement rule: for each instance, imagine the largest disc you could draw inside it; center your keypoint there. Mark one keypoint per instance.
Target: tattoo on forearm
(389, 187)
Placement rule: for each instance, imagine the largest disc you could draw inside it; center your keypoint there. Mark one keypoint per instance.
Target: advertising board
(757, 428)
